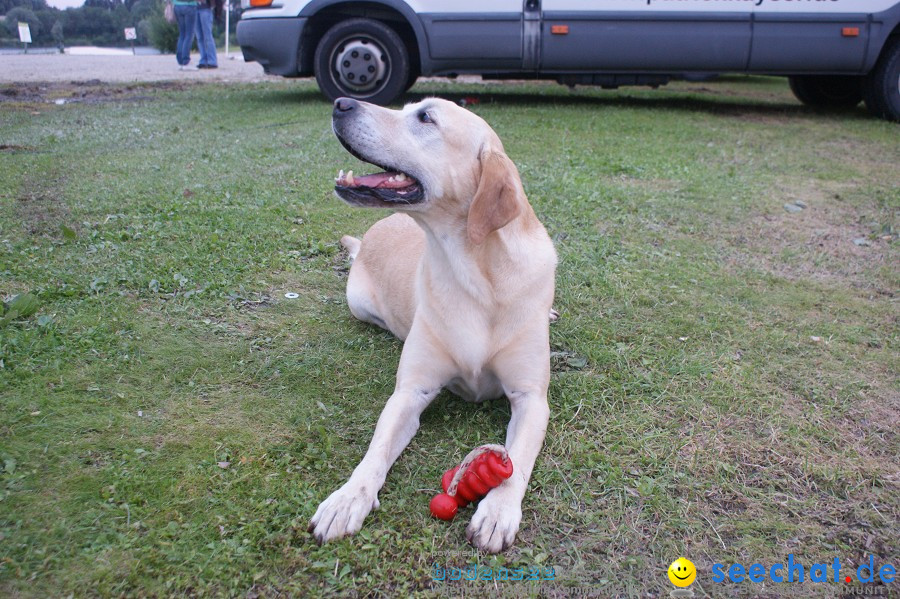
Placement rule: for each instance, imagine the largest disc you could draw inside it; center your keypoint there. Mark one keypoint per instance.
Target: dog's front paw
(496, 521)
(342, 514)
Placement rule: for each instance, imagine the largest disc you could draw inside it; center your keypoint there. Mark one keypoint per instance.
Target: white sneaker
(189, 67)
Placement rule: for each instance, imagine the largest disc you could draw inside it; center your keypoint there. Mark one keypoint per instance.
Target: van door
(815, 38)
(472, 34)
(644, 36)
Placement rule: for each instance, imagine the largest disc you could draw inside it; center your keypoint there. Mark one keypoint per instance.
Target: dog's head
(438, 160)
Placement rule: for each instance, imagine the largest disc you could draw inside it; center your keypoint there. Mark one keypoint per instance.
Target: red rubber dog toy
(483, 469)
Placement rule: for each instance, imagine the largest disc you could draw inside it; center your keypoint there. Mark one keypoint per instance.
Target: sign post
(24, 35)
(227, 24)
(131, 35)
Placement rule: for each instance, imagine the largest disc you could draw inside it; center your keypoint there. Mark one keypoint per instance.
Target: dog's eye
(424, 117)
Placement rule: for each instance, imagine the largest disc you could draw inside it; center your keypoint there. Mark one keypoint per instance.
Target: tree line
(97, 23)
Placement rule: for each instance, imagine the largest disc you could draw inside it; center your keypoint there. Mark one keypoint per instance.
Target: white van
(835, 52)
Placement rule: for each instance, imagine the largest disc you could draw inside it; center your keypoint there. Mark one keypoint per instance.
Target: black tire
(827, 91)
(411, 80)
(379, 76)
(881, 88)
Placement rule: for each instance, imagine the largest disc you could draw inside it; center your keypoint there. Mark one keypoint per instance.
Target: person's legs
(205, 40)
(198, 33)
(186, 16)
(181, 19)
(190, 33)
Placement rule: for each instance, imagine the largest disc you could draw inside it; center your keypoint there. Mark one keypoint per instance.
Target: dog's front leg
(344, 511)
(496, 521)
(420, 377)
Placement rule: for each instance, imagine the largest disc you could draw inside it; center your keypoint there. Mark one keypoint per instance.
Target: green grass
(726, 387)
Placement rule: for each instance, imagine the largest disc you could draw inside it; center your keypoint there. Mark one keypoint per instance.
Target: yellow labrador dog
(464, 273)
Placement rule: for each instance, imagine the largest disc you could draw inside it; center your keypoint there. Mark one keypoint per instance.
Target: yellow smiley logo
(682, 572)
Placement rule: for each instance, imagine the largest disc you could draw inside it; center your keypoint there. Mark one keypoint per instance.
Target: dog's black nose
(344, 106)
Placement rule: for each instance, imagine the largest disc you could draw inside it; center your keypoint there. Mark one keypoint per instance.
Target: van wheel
(362, 59)
(827, 91)
(411, 80)
(881, 87)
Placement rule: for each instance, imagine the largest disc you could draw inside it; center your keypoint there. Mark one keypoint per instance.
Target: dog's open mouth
(390, 186)
(385, 189)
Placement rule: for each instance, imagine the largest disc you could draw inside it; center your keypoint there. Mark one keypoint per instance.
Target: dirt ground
(28, 68)
(77, 68)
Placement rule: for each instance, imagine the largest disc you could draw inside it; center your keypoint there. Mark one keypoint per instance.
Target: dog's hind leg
(361, 293)
(381, 286)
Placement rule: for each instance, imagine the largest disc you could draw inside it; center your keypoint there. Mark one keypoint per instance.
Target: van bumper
(273, 43)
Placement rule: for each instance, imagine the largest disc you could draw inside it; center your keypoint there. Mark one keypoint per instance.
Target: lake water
(85, 51)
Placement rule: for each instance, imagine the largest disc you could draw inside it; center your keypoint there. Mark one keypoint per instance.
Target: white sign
(24, 33)
(130, 33)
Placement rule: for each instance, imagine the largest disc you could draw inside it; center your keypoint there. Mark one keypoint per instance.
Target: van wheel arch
(881, 87)
(327, 17)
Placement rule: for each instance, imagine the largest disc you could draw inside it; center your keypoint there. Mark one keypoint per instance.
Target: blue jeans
(186, 17)
(205, 40)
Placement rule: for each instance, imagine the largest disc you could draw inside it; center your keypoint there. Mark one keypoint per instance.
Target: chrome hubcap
(360, 64)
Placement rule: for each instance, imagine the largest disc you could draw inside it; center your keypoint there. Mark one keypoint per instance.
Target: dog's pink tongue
(382, 180)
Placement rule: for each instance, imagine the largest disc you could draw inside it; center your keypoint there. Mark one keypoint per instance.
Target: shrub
(163, 35)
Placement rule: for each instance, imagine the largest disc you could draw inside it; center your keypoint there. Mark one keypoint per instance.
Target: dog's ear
(497, 200)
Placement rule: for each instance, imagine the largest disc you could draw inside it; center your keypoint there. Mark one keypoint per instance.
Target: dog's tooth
(401, 177)
(350, 177)
(392, 179)
(341, 174)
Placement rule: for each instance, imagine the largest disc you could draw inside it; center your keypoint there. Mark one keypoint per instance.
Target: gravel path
(25, 68)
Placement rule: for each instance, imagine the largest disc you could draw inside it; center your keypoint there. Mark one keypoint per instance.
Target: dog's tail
(352, 244)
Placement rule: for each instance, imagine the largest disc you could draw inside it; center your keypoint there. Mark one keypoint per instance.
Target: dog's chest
(476, 387)
(471, 347)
